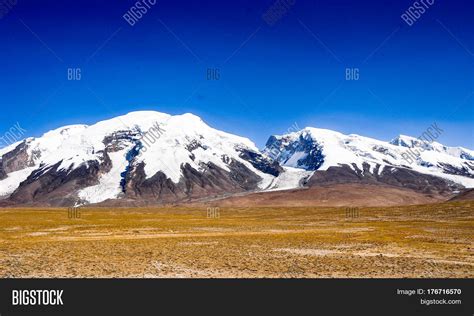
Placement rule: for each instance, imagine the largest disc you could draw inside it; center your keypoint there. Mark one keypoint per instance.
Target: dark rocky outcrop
(464, 171)
(398, 177)
(3, 174)
(210, 181)
(261, 163)
(281, 150)
(16, 159)
(49, 185)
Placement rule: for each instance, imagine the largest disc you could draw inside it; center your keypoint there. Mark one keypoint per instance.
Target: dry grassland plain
(424, 241)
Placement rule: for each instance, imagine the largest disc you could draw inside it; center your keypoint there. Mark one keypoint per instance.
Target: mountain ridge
(162, 158)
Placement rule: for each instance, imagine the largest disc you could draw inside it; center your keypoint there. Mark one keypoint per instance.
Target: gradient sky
(270, 76)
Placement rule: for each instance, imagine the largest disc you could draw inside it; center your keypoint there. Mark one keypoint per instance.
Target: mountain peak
(129, 152)
(66, 130)
(403, 140)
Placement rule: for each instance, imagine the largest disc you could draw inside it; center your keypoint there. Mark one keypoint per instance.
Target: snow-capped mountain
(142, 155)
(149, 157)
(405, 160)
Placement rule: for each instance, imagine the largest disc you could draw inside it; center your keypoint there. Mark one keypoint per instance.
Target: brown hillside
(333, 195)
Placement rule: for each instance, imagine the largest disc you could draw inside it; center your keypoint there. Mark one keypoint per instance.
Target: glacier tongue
(292, 178)
(109, 183)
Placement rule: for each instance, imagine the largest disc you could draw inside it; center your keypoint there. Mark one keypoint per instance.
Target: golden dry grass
(411, 241)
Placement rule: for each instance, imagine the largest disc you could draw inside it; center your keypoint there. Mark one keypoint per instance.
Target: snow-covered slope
(320, 149)
(13, 180)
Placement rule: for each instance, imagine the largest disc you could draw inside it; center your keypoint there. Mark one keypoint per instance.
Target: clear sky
(271, 76)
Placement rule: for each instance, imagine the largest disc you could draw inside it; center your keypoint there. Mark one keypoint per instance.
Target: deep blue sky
(270, 76)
